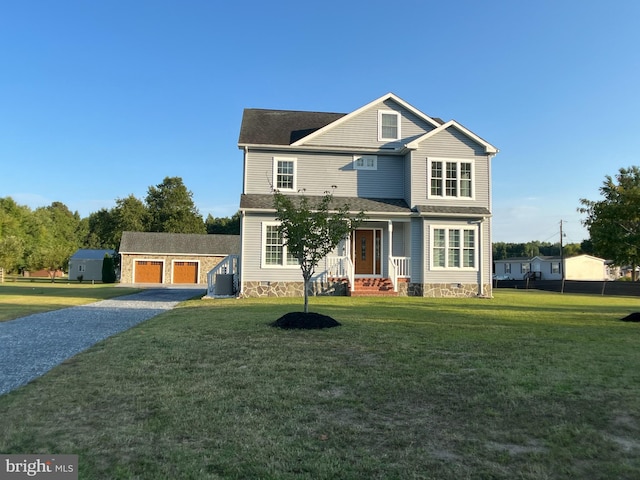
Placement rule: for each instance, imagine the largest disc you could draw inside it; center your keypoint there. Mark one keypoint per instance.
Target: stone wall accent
(447, 290)
(293, 289)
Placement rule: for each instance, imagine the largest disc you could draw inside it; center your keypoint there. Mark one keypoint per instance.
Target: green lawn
(528, 385)
(18, 299)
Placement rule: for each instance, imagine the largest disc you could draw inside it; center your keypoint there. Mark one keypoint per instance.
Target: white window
(454, 248)
(525, 267)
(274, 252)
(450, 178)
(284, 174)
(555, 267)
(388, 125)
(365, 162)
(507, 268)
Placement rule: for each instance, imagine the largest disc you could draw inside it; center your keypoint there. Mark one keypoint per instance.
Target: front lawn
(18, 299)
(529, 385)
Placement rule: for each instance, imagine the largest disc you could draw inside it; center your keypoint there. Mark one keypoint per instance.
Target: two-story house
(424, 184)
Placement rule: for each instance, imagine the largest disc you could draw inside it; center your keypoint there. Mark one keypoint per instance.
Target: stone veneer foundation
(339, 288)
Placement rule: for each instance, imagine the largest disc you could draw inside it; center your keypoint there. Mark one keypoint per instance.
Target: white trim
(374, 165)
(488, 148)
(461, 228)
(263, 238)
(275, 173)
(396, 114)
(341, 120)
(458, 161)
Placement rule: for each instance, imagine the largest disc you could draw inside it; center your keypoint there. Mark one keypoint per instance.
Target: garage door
(148, 271)
(185, 272)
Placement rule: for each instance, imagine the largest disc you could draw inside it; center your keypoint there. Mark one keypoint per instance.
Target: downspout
(240, 262)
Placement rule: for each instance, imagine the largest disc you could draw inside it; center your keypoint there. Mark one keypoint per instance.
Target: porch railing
(399, 267)
(230, 265)
(340, 267)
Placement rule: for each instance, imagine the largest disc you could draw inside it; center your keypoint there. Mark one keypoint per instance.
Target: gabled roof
(179, 243)
(281, 127)
(388, 96)
(91, 254)
(488, 148)
(368, 205)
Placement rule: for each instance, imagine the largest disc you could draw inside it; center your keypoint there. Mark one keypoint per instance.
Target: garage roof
(179, 243)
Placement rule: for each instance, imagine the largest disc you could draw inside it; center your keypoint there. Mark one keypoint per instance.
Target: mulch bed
(632, 317)
(305, 321)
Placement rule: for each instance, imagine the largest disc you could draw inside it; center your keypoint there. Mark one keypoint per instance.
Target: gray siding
(362, 129)
(449, 145)
(317, 172)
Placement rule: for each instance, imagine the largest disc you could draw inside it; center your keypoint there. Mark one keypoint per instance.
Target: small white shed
(87, 264)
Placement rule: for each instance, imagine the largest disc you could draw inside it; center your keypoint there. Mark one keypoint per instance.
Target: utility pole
(561, 253)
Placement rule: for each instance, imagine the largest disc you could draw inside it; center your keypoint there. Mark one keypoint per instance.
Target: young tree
(311, 232)
(171, 208)
(614, 221)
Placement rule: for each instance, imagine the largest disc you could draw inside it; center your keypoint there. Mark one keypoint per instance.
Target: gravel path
(31, 346)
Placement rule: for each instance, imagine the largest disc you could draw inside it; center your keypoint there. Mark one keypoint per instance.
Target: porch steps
(372, 287)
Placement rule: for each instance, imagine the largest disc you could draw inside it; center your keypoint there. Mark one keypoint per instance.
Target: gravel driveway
(31, 346)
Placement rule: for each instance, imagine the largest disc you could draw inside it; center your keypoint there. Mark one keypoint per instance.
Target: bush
(108, 270)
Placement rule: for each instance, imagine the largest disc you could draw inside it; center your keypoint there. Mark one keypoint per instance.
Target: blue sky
(100, 99)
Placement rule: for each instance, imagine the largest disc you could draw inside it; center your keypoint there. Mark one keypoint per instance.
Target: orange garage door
(148, 271)
(185, 272)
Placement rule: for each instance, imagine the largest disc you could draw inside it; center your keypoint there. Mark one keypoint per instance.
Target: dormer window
(388, 125)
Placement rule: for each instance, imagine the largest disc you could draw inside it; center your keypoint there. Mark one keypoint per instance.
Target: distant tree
(311, 232)
(14, 237)
(108, 269)
(53, 231)
(223, 225)
(171, 208)
(614, 221)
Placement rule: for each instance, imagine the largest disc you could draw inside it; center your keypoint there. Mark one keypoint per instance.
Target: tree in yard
(614, 221)
(171, 208)
(311, 232)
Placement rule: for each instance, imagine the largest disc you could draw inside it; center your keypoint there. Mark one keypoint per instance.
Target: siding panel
(317, 172)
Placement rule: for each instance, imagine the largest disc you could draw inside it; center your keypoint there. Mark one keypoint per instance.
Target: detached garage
(172, 258)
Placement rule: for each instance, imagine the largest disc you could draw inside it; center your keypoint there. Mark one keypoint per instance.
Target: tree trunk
(306, 294)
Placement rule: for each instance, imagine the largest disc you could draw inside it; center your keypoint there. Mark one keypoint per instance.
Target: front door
(366, 252)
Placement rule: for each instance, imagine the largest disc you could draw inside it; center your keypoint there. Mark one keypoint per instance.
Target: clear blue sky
(101, 99)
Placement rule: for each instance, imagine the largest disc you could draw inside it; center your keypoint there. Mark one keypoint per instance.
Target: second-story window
(388, 125)
(284, 170)
(450, 178)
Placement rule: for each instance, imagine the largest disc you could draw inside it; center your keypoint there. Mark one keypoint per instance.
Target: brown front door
(363, 252)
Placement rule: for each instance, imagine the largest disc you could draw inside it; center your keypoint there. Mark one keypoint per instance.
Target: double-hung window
(454, 248)
(284, 173)
(449, 178)
(388, 125)
(274, 251)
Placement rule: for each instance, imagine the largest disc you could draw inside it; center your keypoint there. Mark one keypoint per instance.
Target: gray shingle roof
(185, 243)
(368, 205)
(281, 127)
(91, 254)
(453, 210)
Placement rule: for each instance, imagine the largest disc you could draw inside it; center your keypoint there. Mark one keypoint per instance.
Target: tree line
(45, 238)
